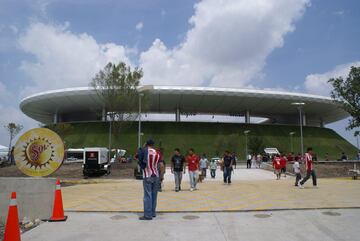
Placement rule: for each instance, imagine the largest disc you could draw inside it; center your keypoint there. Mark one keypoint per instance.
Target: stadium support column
(247, 117)
(177, 115)
(103, 114)
(303, 119)
(56, 118)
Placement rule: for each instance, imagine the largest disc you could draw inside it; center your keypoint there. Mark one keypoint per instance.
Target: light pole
(299, 106)
(291, 143)
(246, 132)
(140, 90)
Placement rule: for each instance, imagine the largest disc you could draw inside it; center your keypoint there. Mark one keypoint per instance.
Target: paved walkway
(324, 225)
(253, 189)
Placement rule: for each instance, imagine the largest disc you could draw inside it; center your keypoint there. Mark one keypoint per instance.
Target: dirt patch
(74, 171)
(326, 170)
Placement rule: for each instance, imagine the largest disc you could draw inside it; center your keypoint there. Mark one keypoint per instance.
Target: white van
(96, 160)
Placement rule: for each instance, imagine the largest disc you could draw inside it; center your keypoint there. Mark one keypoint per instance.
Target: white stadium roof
(83, 104)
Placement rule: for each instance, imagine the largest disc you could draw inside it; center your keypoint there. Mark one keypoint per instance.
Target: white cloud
(10, 113)
(339, 13)
(227, 44)
(139, 26)
(14, 29)
(64, 59)
(318, 83)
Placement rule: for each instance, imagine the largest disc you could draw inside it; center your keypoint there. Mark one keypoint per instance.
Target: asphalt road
(300, 225)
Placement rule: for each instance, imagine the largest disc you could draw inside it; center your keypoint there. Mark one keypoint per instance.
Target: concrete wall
(35, 196)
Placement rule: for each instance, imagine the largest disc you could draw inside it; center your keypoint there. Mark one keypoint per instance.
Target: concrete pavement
(253, 189)
(324, 225)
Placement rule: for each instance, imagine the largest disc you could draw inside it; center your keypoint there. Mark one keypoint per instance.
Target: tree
(347, 93)
(256, 145)
(116, 85)
(62, 129)
(13, 130)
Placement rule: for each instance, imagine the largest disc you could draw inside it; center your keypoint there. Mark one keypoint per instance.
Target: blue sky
(292, 45)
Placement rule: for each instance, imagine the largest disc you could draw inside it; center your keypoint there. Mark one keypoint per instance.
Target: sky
(289, 45)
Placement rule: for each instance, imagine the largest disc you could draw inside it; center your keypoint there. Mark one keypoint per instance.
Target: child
(277, 166)
(296, 167)
(213, 167)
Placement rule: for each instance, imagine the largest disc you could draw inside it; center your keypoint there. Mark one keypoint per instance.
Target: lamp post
(299, 106)
(140, 90)
(291, 143)
(246, 132)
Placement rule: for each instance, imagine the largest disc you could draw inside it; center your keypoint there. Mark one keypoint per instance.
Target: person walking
(248, 161)
(283, 165)
(177, 168)
(161, 174)
(213, 167)
(296, 167)
(235, 159)
(228, 167)
(193, 167)
(253, 161)
(309, 166)
(204, 163)
(149, 159)
(258, 160)
(277, 166)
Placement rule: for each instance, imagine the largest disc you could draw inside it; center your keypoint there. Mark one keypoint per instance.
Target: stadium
(272, 116)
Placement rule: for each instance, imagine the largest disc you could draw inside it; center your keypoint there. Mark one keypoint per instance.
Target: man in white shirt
(296, 167)
(203, 165)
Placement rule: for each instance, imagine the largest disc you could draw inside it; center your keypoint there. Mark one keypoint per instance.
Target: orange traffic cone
(58, 211)
(12, 229)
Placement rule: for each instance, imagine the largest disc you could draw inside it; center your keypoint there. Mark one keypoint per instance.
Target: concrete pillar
(103, 114)
(304, 119)
(56, 118)
(177, 115)
(247, 117)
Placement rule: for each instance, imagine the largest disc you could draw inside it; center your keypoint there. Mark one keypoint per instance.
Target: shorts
(283, 170)
(277, 171)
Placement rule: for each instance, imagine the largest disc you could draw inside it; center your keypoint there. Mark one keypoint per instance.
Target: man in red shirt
(193, 165)
(309, 166)
(290, 157)
(283, 164)
(277, 166)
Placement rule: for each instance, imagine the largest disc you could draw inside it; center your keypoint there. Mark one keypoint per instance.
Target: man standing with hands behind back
(149, 159)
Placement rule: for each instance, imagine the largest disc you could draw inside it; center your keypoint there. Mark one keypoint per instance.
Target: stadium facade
(84, 105)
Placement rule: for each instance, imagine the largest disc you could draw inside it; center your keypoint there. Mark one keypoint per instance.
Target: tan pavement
(241, 195)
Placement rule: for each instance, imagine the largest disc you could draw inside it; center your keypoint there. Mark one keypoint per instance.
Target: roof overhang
(197, 100)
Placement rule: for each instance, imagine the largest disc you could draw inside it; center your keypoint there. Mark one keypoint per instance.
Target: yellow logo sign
(39, 152)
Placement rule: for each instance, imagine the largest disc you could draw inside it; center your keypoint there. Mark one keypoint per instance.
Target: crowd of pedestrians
(152, 164)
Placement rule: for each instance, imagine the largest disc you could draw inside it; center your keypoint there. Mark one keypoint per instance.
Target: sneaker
(191, 189)
(144, 218)
(176, 190)
(300, 186)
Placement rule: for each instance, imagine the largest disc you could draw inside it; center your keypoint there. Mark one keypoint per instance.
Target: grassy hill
(210, 138)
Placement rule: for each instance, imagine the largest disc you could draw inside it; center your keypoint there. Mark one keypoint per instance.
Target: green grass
(210, 137)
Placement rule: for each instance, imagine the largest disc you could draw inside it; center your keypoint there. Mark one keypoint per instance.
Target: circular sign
(39, 152)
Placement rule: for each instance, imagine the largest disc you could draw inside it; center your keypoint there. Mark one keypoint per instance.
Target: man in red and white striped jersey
(152, 160)
(309, 167)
